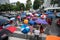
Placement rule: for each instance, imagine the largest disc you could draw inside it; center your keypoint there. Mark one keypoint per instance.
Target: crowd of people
(33, 20)
(36, 21)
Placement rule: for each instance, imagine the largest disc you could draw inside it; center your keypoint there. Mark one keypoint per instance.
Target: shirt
(36, 32)
(23, 14)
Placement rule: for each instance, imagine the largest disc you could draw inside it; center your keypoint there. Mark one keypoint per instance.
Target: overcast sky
(22, 1)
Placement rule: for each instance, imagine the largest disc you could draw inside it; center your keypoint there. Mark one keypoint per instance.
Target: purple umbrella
(38, 21)
(42, 21)
(28, 17)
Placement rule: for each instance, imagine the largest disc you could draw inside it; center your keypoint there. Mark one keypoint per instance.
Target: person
(41, 29)
(22, 14)
(18, 17)
(31, 28)
(43, 16)
(1, 27)
(37, 33)
(11, 21)
(58, 22)
(49, 21)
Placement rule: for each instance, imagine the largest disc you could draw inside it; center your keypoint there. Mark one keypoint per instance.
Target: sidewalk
(14, 38)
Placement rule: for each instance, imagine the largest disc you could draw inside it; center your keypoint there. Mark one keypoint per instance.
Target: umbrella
(12, 29)
(51, 16)
(7, 31)
(3, 21)
(31, 22)
(25, 30)
(42, 21)
(28, 16)
(4, 31)
(7, 25)
(38, 21)
(58, 14)
(1, 17)
(12, 18)
(49, 12)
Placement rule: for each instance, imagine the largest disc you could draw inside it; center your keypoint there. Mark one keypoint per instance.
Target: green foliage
(37, 4)
(18, 6)
(54, 1)
(22, 6)
(28, 4)
(10, 7)
(2, 7)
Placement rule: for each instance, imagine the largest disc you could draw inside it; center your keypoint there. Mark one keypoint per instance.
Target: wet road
(54, 29)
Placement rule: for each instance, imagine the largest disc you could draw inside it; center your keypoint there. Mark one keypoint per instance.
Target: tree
(22, 6)
(58, 3)
(18, 6)
(28, 4)
(14, 7)
(7, 7)
(54, 2)
(37, 4)
(2, 7)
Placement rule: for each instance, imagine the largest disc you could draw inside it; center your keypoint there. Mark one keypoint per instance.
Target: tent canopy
(51, 8)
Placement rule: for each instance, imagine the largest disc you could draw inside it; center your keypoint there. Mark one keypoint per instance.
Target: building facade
(46, 3)
(4, 1)
(55, 3)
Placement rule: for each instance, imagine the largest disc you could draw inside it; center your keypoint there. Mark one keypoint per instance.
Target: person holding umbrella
(22, 14)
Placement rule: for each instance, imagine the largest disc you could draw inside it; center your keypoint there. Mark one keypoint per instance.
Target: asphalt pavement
(53, 29)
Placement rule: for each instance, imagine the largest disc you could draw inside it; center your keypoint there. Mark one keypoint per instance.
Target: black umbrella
(7, 31)
(3, 21)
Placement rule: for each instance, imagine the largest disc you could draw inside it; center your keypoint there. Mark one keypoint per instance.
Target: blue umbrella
(49, 12)
(42, 21)
(25, 29)
(51, 16)
(31, 22)
(58, 14)
(24, 26)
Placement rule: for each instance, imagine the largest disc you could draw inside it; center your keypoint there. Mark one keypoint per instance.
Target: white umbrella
(12, 18)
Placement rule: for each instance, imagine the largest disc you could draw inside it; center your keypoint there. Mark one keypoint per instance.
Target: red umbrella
(12, 29)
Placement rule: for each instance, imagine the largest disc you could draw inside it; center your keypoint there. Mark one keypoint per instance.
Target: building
(14, 3)
(4, 1)
(46, 3)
